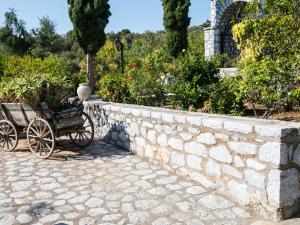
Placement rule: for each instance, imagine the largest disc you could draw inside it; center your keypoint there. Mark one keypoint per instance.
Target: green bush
(145, 78)
(294, 97)
(31, 80)
(268, 83)
(193, 80)
(113, 88)
(225, 97)
(159, 62)
(145, 88)
(270, 53)
(31, 89)
(1, 65)
(23, 66)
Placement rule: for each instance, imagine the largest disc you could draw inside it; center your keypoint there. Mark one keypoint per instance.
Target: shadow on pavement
(66, 151)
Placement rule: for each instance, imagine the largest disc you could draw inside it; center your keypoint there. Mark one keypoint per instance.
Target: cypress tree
(176, 22)
(89, 18)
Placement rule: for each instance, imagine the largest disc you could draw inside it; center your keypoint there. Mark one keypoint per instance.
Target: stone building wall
(255, 162)
(221, 12)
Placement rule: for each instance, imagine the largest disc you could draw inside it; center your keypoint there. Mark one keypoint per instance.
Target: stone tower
(218, 38)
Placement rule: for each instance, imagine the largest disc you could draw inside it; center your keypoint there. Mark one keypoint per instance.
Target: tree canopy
(47, 41)
(89, 18)
(176, 22)
(14, 35)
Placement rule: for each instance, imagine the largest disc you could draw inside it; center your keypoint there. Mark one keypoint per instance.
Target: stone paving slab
(105, 185)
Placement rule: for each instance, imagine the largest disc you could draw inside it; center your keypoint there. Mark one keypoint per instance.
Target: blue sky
(136, 15)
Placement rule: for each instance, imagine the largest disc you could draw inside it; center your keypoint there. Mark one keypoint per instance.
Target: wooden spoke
(34, 131)
(8, 136)
(83, 136)
(42, 148)
(76, 136)
(32, 136)
(2, 146)
(38, 148)
(5, 128)
(11, 131)
(40, 138)
(44, 130)
(48, 146)
(85, 120)
(79, 137)
(46, 134)
(48, 140)
(45, 148)
(10, 142)
(35, 128)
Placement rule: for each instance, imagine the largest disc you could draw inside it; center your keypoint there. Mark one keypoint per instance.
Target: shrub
(107, 59)
(269, 83)
(270, 53)
(226, 98)
(1, 64)
(23, 66)
(54, 90)
(113, 88)
(159, 62)
(145, 88)
(193, 81)
(294, 97)
(28, 76)
(145, 78)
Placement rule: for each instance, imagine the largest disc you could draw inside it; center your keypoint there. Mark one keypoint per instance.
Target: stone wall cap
(224, 118)
(208, 28)
(229, 69)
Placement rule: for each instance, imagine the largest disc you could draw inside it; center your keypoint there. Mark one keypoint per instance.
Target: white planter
(84, 91)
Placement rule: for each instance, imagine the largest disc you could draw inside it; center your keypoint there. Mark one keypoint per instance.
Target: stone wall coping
(216, 121)
(228, 72)
(208, 28)
(229, 69)
(211, 28)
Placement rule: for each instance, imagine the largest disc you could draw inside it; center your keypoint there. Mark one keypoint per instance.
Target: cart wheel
(8, 136)
(40, 138)
(84, 134)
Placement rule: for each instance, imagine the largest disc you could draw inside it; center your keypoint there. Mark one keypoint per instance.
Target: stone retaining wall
(255, 162)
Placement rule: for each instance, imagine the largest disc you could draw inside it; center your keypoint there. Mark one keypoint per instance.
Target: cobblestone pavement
(104, 185)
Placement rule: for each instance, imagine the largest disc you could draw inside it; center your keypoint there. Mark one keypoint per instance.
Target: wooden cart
(43, 127)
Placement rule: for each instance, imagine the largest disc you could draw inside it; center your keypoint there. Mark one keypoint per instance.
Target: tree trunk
(90, 71)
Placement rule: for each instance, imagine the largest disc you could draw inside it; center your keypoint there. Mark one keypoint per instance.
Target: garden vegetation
(165, 68)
